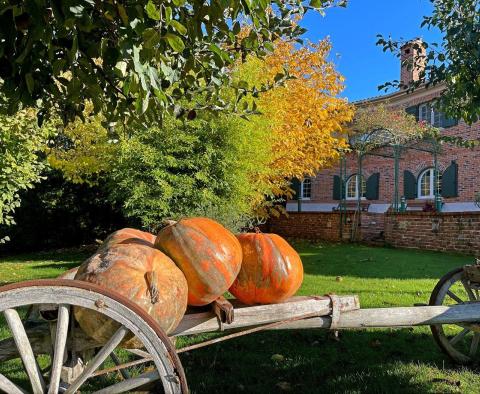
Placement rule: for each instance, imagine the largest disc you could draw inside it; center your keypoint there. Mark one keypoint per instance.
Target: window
(427, 184)
(428, 113)
(423, 113)
(306, 189)
(353, 187)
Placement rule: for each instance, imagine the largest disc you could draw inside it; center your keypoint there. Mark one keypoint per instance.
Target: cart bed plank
(249, 316)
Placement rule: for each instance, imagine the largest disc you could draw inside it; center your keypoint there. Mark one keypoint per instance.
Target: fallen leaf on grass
(278, 358)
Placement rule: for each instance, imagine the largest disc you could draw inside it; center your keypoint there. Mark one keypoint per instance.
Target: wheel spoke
(118, 363)
(25, 350)
(59, 349)
(101, 356)
(130, 384)
(469, 291)
(8, 387)
(474, 345)
(455, 297)
(459, 336)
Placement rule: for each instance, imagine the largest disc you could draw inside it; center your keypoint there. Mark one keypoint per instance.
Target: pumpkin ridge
(189, 251)
(198, 270)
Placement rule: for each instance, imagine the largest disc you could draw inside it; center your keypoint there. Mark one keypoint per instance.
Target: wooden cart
(38, 314)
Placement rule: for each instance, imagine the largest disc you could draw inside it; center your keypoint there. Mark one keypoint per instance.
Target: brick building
(458, 170)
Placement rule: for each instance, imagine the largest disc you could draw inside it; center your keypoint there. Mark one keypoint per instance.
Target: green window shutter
(296, 185)
(409, 185)
(413, 111)
(373, 182)
(450, 181)
(448, 122)
(337, 188)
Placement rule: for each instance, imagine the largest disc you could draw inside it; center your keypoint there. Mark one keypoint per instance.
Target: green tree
(210, 166)
(128, 56)
(20, 163)
(454, 61)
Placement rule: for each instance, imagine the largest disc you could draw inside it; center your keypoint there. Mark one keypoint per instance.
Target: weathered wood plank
(7, 386)
(59, 348)
(100, 357)
(25, 350)
(410, 316)
(130, 384)
(246, 316)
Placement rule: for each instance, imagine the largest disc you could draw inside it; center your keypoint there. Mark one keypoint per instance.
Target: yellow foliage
(84, 150)
(305, 115)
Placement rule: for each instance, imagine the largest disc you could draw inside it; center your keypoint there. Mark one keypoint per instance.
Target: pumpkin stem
(151, 279)
(257, 230)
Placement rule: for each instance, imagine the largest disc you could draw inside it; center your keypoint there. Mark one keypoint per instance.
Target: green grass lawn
(373, 361)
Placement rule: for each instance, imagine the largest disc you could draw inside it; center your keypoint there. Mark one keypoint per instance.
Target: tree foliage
(128, 56)
(454, 61)
(305, 116)
(201, 167)
(84, 151)
(20, 164)
(383, 125)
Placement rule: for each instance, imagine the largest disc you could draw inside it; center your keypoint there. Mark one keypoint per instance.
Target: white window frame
(420, 112)
(433, 113)
(350, 178)
(431, 170)
(302, 189)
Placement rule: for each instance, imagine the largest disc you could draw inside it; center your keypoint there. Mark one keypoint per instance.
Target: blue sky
(353, 32)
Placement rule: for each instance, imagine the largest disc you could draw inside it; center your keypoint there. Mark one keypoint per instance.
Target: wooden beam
(248, 316)
(410, 316)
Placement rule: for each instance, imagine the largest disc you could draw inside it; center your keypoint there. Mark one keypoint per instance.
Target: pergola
(385, 143)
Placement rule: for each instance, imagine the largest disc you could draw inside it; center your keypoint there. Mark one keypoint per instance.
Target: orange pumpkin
(141, 273)
(271, 272)
(207, 253)
(128, 235)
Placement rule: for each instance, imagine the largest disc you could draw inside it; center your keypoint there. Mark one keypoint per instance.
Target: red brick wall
(372, 226)
(311, 225)
(415, 161)
(458, 232)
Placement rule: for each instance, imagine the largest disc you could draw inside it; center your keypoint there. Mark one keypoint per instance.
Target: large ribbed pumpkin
(128, 235)
(141, 273)
(208, 254)
(271, 272)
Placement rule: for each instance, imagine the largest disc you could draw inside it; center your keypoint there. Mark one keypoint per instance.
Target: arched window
(306, 189)
(426, 183)
(353, 187)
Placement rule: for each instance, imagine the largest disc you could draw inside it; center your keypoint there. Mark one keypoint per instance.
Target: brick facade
(468, 161)
(459, 231)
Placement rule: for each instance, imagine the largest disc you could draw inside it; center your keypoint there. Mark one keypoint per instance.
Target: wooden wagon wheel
(459, 341)
(60, 296)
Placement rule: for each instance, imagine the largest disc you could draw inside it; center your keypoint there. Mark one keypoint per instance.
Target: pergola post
(436, 174)
(397, 149)
(343, 206)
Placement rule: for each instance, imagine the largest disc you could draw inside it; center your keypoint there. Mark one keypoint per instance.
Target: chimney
(413, 62)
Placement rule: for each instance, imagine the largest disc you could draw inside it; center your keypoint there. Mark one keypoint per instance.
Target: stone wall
(458, 232)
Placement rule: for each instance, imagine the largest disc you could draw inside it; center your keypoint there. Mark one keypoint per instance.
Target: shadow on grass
(53, 256)
(385, 361)
(374, 262)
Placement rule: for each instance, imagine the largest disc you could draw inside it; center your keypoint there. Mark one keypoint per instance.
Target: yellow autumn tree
(305, 114)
